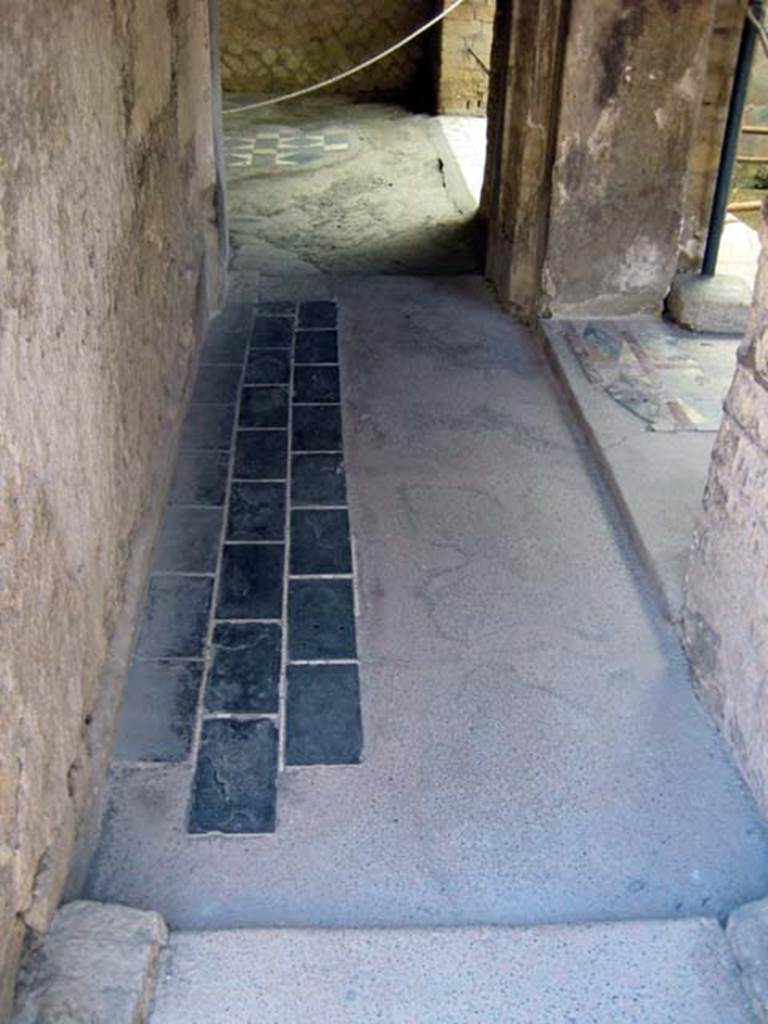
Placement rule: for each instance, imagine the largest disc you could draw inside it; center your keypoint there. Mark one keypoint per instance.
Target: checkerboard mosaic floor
(274, 149)
(246, 659)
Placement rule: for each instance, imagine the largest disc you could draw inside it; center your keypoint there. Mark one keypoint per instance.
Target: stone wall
(108, 261)
(704, 155)
(270, 47)
(524, 96)
(464, 58)
(633, 79)
(726, 613)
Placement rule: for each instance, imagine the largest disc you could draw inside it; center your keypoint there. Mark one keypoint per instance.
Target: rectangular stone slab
(650, 972)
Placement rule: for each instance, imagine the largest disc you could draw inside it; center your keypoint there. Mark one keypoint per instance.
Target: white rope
(759, 24)
(352, 71)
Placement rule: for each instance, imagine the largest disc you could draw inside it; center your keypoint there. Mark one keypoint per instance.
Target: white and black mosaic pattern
(246, 659)
(273, 149)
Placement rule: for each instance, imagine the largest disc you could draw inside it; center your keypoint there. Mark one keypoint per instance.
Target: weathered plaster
(632, 84)
(105, 271)
(726, 615)
(522, 127)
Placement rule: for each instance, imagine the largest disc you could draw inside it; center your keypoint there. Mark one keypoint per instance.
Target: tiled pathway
(246, 656)
(534, 751)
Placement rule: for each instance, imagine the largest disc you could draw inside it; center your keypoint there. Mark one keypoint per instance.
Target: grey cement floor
(668, 972)
(386, 207)
(657, 479)
(534, 751)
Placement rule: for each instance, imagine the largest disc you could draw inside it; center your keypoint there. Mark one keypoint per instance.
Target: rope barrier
(352, 71)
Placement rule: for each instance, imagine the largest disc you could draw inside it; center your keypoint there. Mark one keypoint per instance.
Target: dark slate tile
(272, 332)
(261, 455)
(175, 621)
(316, 428)
(256, 511)
(268, 367)
(276, 308)
(208, 427)
(189, 540)
(317, 347)
(318, 480)
(264, 407)
(157, 717)
(321, 620)
(317, 314)
(323, 720)
(320, 542)
(316, 384)
(245, 674)
(234, 788)
(217, 384)
(200, 478)
(251, 585)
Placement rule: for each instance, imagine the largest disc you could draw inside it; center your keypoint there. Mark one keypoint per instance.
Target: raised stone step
(648, 972)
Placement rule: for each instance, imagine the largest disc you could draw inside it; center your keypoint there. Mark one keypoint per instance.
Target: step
(649, 972)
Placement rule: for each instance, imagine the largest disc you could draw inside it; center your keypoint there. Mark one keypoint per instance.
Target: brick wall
(269, 46)
(465, 58)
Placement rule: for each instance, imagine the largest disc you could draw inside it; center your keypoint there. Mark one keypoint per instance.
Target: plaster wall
(726, 614)
(633, 79)
(109, 261)
(270, 47)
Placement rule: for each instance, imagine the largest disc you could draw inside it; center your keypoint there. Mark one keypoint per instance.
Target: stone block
(97, 965)
(747, 931)
(719, 304)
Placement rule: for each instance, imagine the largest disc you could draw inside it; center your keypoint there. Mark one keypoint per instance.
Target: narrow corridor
(533, 748)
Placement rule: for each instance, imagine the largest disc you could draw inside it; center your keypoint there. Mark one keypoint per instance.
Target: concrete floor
(384, 207)
(632, 973)
(534, 750)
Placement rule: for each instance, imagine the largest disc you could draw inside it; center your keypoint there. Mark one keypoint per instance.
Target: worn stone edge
(686, 305)
(671, 609)
(747, 934)
(37, 977)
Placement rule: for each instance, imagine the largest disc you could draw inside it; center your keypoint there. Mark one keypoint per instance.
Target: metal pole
(730, 143)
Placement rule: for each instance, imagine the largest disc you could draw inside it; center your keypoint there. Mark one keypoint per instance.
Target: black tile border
(258, 345)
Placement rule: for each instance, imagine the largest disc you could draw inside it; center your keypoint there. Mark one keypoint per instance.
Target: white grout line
(283, 681)
(321, 576)
(326, 661)
(242, 716)
(320, 508)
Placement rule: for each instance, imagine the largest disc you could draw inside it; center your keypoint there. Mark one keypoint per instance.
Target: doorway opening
(362, 178)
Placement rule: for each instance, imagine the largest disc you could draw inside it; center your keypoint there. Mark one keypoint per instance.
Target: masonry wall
(726, 613)
(108, 264)
(270, 47)
(633, 79)
(464, 58)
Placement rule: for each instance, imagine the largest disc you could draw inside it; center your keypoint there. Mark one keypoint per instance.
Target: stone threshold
(108, 964)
